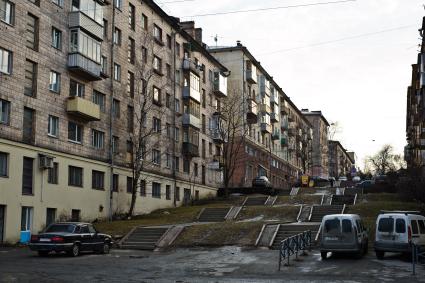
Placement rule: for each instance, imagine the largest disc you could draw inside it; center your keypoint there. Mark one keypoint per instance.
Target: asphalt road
(226, 264)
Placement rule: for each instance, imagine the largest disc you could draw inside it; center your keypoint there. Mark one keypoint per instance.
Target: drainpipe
(111, 99)
(174, 35)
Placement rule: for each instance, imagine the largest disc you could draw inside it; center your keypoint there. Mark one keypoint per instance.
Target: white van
(395, 230)
(343, 233)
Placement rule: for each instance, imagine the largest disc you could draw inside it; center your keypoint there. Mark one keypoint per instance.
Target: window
(142, 187)
(27, 176)
(177, 193)
(4, 159)
(156, 125)
(97, 180)
(144, 22)
(55, 81)
(5, 61)
(167, 160)
(56, 38)
(195, 169)
(28, 125)
(75, 216)
(156, 190)
(115, 182)
(196, 195)
(117, 36)
(203, 72)
(76, 89)
(105, 28)
(144, 54)
(84, 44)
(53, 174)
(131, 16)
(168, 192)
(130, 113)
(177, 78)
(177, 164)
(97, 139)
(210, 148)
(115, 144)
(204, 98)
(130, 84)
(30, 85)
(204, 124)
(176, 134)
(168, 41)
(117, 72)
(116, 108)
(400, 226)
(204, 149)
(131, 50)
(118, 4)
(32, 32)
(332, 226)
(156, 95)
(168, 130)
(91, 8)
(168, 100)
(156, 157)
(177, 106)
(421, 226)
(26, 218)
(415, 229)
(178, 49)
(168, 70)
(157, 64)
(129, 185)
(50, 216)
(157, 33)
(7, 12)
(99, 99)
(75, 176)
(75, 132)
(53, 126)
(4, 111)
(346, 226)
(186, 166)
(386, 225)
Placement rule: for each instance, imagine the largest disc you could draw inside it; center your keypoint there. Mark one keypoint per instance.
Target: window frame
(53, 128)
(11, 17)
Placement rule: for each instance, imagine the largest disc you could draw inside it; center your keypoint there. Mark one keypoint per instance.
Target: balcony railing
(252, 111)
(191, 120)
(220, 84)
(274, 117)
(83, 108)
(189, 92)
(190, 149)
(218, 136)
(266, 128)
(189, 65)
(84, 67)
(80, 20)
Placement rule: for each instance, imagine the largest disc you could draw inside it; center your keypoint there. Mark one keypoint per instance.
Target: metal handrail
(417, 253)
(293, 246)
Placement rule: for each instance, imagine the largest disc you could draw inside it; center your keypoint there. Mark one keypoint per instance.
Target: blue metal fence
(293, 246)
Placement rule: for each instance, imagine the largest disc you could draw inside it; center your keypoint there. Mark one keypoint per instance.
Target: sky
(350, 60)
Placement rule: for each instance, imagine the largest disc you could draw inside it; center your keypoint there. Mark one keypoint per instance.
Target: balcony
(284, 124)
(266, 128)
(264, 86)
(218, 135)
(220, 85)
(284, 108)
(190, 149)
(189, 92)
(83, 108)
(80, 20)
(189, 65)
(274, 97)
(191, 120)
(251, 73)
(252, 113)
(276, 135)
(274, 117)
(84, 67)
(284, 141)
(265, 108)
(291, 117)
(291, 132)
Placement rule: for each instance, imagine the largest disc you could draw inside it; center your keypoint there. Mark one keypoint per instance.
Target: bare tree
(334, 129)
(385, 160)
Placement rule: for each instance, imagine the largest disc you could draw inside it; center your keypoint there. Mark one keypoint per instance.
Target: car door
(97, 239)
(415, 231)
(385, 230)
(86, 238)
(421, 224)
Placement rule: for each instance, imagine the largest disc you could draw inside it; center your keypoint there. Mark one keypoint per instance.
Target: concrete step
(251, 201)
(288, 230)
(143, 238)
(343, 199)
(216, 214)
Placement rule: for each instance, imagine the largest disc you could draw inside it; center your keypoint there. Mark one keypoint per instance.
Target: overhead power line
(271, 8)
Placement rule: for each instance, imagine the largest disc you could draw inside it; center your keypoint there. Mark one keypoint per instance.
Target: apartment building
(414, 152)
(277, 138)
(79, 81)
(341, 161)
(320, 163)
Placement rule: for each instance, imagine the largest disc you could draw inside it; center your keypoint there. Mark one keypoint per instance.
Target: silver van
(343, 233)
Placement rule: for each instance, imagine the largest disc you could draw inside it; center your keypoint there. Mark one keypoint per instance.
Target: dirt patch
(284, 213)
(299, 199)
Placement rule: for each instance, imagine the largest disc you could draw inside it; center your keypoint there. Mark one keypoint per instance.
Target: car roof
(341, 216)
(73, 223)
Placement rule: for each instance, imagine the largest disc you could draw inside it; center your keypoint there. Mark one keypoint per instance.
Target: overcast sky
(360, 82)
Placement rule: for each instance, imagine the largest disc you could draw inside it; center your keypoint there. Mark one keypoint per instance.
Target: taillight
(57, 239)
(34, 238)
(409, 233)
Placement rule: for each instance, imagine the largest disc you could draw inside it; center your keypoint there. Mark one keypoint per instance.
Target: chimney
(238, 43)
(189, 27)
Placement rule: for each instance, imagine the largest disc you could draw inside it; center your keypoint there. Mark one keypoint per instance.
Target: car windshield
(386, 225)
(67, 228)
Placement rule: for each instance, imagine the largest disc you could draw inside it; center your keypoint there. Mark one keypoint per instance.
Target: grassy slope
(299, 199)
(286, 213)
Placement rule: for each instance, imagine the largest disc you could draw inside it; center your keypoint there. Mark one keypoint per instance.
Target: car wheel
(324, 255)
(106, 248)
(380, 255)
(75, 250)
(43, 253)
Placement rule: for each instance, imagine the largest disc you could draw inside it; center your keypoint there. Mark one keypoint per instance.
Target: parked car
(364, 184)
(261, 181)
(396, 230)
(343, 233)
(70, 237)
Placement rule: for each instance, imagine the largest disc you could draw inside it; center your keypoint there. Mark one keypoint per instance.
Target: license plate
(331, 238)
(44, 240)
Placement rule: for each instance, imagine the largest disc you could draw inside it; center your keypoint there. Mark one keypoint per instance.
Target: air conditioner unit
(46, 162)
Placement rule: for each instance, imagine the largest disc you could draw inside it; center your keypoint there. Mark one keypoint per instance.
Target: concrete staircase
(304, 213)
(213, 214)
(251, 201)
(319, 211)
(343, 199)
(143, 238)
(287, 230)
(270, 200)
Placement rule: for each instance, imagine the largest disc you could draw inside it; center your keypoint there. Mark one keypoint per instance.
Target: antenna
(216, 37)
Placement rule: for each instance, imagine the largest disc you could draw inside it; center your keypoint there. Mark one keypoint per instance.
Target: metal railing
(418, 252)
(295, 245)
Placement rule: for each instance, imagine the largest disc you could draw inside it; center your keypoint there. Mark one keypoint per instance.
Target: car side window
(359, 226)
(421, 226)
(400, 226)
(84, 229)
(415, 229)
(91, 229)
(77, 230)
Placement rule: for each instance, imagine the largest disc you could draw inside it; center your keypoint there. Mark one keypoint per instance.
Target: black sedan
(70, 237)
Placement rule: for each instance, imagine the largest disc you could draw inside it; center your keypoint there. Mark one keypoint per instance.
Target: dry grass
(220, 234)
(299, 199)
(284, 213)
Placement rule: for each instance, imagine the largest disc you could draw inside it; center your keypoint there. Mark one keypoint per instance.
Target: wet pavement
(224, 264)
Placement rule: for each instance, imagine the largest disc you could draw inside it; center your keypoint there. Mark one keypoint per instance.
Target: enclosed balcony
(284, 108)
(251, 72)
(266, 128)
(189, 92)
(264, 86)
(291, 132)
(275, 117)
(190, 149)
(265, 108)
(275, 134)
(84, 67)
(78, 19)
(274, 96)
(83, 108)
(284, 141)
(220, 84)
(191, 65)
(218, 136)
(252, 112)
(191, 120)
(284, 124)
